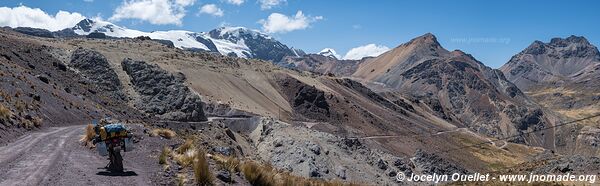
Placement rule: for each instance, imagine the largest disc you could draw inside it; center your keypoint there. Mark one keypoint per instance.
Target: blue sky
(490, 31)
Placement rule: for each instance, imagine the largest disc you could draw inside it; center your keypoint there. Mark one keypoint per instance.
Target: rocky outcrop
(428, 163)
(575, 164)
(97, 70)
(307, 101)
(316, 154)
(162, 93)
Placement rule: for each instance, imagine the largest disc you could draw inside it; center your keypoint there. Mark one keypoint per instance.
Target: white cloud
(279, 23)
(268, 4)
(211, 9)
(370, 50)
(88, 1)
(158, 12)
(235, 2)
(23, 16)
(185, 2)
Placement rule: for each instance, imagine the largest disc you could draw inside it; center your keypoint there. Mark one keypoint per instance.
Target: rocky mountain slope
(562, 75)
(460, 89)
(322, 64)
(39, 90)
(557, 63)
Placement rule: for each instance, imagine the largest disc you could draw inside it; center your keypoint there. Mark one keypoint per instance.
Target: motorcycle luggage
(102, 150)
(128, 144)
(113, 131)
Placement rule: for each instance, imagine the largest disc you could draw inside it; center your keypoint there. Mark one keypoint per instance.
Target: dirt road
(55, 157)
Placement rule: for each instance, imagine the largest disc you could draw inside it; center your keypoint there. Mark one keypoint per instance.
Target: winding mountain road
(54, 156)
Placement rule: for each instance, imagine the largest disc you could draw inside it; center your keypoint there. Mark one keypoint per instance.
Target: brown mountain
(564, 76)
(556, 63)
(458, 88)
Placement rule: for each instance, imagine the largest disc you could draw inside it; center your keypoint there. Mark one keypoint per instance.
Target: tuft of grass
(266, 175)
(164, 154)
(258, 174)
(5, 113)
(186, 158)
(229, 164)
(88, 136)
(20, 106)
(188, 144)
(181, 179)
(202, 174)
(27, 124)
(37, 121)
(165, 133)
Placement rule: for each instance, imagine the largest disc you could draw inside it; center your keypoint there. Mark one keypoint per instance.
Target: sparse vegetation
(266, 175)
(258, 174)
(27, 124)
(181, 179)
(229, 164)
(188, 144)
(5, 113)
(202, 174)
(162, 132)
(186, 158)
(87, 137)
(20, 105)
(164, 154)
(37, 121)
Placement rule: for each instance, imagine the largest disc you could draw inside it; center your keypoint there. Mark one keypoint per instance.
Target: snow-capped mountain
(260, 45)
(232, 41)
(329, 52)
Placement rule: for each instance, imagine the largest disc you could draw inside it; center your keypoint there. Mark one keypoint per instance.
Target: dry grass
(88, 136)
(259, 174)
(164, 154)
(181, 179)
(189, 144)
(229, 164)
(202, 174)
(186, 158)
(5, 113)
(27, 124)
(20, 105)
(162, 132)
(37, 121)
(266, 175)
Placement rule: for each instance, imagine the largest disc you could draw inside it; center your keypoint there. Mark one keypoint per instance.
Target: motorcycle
(111, 145)
(114, 154)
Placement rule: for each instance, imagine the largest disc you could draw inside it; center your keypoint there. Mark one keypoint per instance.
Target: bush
(189, 144)
(5, 113)
(186, 158)
(88, 136)
(201, 172)
(37, 121)
(229, 164)
(258, 175)
(165, 133)
(181, 179)
(27, 124)
(164, 154)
